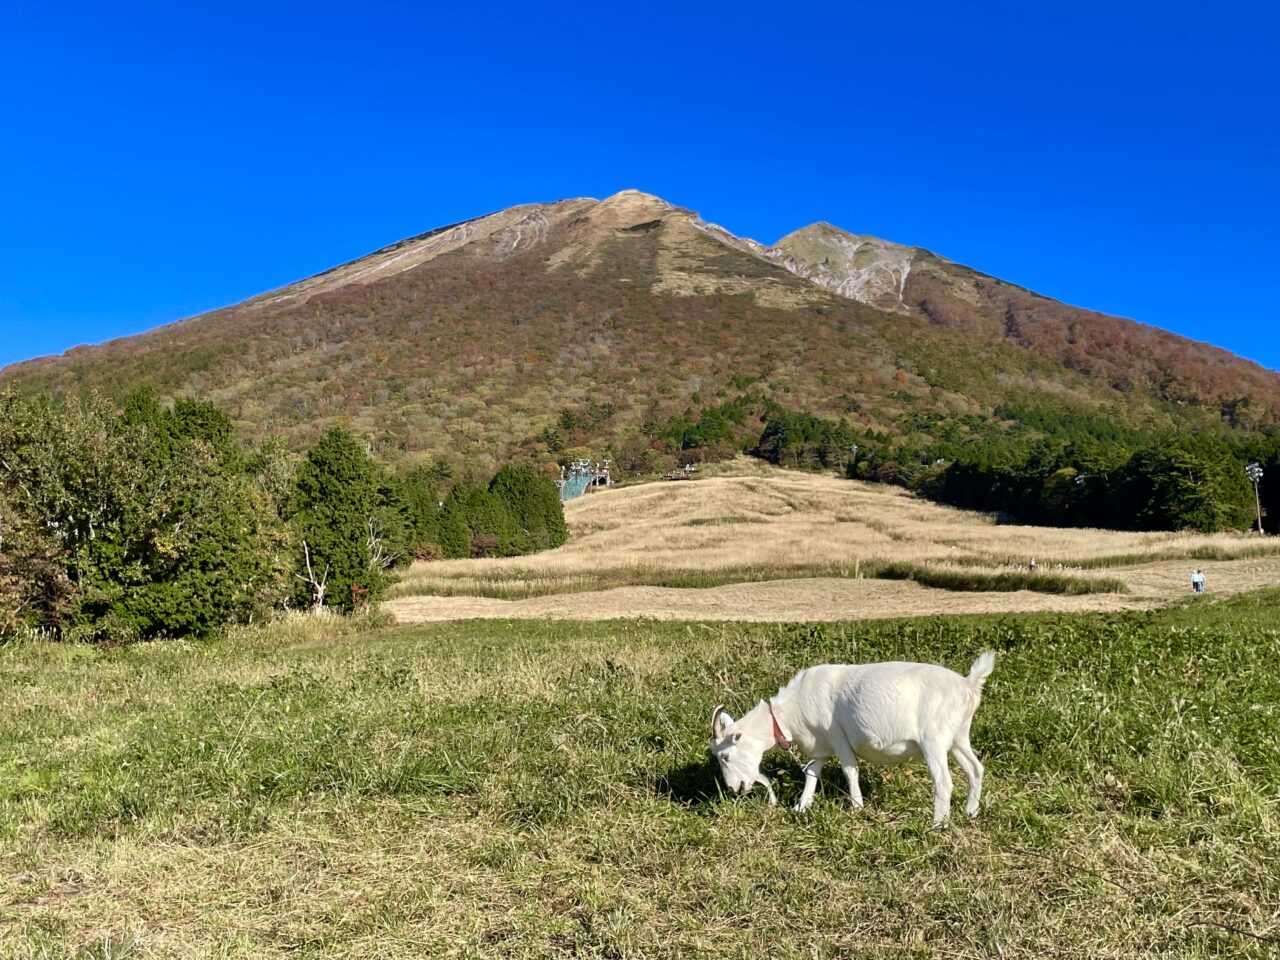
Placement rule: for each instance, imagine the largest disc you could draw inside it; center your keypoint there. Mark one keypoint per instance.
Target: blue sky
(156, 163)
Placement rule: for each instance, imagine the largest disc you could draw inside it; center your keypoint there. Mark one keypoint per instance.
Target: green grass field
(528, 789)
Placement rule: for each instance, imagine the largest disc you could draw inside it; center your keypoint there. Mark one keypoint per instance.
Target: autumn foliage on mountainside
(1131, 358)
(476, 353)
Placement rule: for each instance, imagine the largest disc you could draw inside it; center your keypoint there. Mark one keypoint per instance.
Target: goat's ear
(720, 723)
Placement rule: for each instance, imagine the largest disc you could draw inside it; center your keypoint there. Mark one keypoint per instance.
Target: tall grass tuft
(955, 578)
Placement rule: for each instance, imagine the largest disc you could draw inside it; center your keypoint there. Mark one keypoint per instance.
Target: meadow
(346, 788)
(751, 541)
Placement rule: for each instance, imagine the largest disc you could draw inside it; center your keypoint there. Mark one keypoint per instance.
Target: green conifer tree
(534, 504)
(452, 532)
(493, 530)
(335, 500)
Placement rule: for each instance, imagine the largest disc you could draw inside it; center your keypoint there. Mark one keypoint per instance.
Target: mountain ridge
(517, 314)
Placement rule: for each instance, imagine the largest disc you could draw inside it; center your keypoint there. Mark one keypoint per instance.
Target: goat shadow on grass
(697, 786)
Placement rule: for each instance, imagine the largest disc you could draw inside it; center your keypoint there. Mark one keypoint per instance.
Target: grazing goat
(881, 712)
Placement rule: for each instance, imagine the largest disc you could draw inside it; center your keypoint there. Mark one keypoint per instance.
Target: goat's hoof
(940, 826)
(800, 807)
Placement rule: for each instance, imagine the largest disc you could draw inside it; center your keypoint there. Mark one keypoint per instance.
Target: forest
(1055, 467)
(141, 520)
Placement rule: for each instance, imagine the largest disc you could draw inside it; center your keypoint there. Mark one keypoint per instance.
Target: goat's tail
(981, 669)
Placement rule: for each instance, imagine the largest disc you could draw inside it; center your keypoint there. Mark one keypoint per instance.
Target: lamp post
(1254, 472)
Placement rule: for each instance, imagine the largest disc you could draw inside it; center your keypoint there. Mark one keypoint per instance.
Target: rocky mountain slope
(1127, 355)
(477, 337)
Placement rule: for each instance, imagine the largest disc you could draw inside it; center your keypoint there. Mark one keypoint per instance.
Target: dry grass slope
(753, 542)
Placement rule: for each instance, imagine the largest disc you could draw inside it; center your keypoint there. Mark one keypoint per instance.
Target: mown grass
(517, 789)
(506, 585)
(752, 522)
(503, 585)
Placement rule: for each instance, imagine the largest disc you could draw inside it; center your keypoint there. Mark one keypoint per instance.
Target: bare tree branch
(379, 558)
(318, 586)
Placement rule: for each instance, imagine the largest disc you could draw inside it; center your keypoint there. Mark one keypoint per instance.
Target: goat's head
(738, 754)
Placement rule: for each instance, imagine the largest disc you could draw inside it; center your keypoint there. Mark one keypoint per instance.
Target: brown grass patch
(677, 550)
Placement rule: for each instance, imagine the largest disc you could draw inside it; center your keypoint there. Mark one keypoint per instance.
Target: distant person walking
(1197, 581)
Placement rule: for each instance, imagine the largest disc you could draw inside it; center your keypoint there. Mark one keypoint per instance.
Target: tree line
(1057, 467)
(758, 425)
(1073, 468)
(141, 520)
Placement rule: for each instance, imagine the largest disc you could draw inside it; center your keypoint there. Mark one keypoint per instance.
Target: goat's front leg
(812, 770)
(768, 788)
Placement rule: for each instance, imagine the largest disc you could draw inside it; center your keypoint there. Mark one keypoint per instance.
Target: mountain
(594, 317)
(1127, 355)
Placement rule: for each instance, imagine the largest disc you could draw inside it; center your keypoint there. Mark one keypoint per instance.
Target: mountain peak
(631, 195)
(828, 233)
(863, 268)
(635, 205)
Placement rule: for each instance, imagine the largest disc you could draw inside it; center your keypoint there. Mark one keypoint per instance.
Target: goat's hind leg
(935, 756)
(973, 771)
(849, 764)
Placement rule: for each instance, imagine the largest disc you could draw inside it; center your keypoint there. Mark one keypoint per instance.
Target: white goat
(881, 712)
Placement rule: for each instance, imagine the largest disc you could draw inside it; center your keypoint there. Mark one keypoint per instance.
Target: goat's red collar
(778, 735)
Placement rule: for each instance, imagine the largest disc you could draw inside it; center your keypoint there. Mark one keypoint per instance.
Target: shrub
(428, 552)
(131, 522)
(35, 590)
(534, 504)
(206, 548)
(485, 545)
